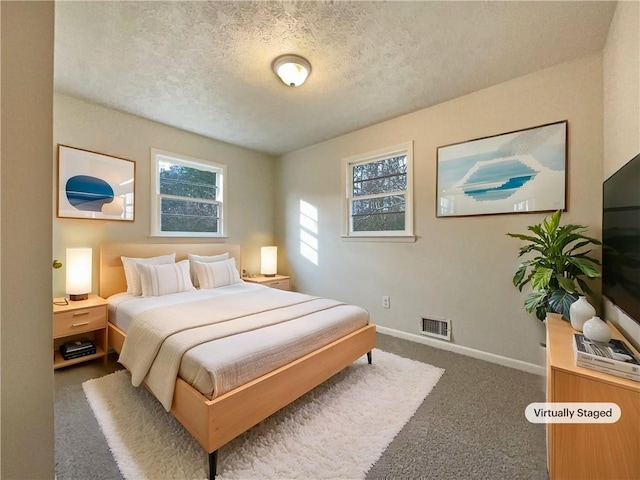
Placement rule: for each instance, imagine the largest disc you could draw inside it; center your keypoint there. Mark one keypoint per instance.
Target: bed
(216, 419)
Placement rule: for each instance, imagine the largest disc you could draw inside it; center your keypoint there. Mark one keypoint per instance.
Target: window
(187, 197)
(379, 193)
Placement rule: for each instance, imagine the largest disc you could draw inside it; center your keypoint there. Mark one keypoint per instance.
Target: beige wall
(621, 62)
(251, 180)
(25, 238)
(459, 268)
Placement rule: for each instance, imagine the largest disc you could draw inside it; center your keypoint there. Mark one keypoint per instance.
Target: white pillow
(217, 274)
(164, 279)
(134, 287)
(203, 259)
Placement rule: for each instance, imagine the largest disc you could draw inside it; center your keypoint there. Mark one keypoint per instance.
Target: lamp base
(79, 296)
(269, 274)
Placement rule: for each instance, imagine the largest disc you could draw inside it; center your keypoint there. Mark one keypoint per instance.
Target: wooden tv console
(589, 450)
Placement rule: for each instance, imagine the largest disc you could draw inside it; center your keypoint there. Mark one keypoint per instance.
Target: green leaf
(578, 245)
(595, 241)
(541, 313)
(567, 284)
(527, 280)
(524, 237)
(587, 258)
(541, 278)
(560, 301)
(583, 265)
(519, 276)
(542, 236)
(534, 300)
(583, 286)
(527, 248)
(566, 238)
(551, 223)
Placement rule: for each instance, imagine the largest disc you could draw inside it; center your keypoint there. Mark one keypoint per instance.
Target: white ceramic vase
(597, 330)
(580, 311)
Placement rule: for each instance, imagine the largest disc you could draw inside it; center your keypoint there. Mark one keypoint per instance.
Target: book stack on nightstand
(77, 348)
(73, 322)
(281, 282)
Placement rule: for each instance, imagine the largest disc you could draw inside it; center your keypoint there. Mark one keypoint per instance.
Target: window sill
(379, 238)
(222, 238)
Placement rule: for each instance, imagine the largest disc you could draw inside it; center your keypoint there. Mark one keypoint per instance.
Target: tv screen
(621, 238)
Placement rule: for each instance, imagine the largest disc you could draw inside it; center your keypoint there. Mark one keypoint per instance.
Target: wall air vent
(436, 328)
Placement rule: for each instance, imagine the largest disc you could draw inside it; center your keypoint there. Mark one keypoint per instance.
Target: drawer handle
(78, 314)
(80, 324)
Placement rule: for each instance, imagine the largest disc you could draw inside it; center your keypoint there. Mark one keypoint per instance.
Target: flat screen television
(621, 239)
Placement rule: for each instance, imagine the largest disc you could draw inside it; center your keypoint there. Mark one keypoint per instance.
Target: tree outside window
(188, 197)
(379, 200)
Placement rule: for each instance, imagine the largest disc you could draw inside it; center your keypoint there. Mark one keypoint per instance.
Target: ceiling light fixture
(293, 70)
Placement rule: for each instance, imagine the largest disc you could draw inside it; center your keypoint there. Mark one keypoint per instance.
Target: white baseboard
(469, 352)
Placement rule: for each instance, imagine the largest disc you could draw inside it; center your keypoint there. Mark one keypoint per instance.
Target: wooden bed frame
(214, 423)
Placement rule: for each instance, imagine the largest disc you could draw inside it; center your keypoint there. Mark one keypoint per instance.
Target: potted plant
(558, 270)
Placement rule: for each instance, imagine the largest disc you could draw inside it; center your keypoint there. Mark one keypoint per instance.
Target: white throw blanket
(159, 337)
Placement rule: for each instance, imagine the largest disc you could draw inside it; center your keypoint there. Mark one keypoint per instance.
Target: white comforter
(159, 337)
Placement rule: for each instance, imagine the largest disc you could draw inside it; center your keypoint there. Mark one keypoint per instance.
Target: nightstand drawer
(279, 284)
(79, 321)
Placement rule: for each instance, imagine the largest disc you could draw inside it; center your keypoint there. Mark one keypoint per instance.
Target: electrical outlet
(386, 302)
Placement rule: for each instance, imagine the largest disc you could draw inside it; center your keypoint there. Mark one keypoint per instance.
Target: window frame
(347, 183)
(221, 192)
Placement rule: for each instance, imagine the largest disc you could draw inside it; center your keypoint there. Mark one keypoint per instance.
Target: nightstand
(281, 282)
(82, 318)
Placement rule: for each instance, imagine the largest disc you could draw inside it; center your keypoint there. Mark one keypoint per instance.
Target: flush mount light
(293, 70)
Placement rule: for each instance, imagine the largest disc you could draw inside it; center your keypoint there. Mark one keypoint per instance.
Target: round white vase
(597, 330)
(580, 311)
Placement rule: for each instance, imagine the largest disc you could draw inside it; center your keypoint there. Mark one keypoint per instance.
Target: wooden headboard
(112, 279)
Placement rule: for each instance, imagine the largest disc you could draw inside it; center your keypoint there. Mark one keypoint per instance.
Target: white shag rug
(336, 431)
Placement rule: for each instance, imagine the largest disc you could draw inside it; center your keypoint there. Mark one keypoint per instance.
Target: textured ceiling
(205, 67)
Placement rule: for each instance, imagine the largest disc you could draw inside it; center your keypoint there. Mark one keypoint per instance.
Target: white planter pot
(580, 311)
(597, 330)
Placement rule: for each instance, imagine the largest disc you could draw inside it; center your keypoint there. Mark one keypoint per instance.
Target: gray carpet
(471, 425)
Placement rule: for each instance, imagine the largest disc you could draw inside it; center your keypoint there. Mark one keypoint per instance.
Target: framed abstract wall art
(95, 186)
(515, 172)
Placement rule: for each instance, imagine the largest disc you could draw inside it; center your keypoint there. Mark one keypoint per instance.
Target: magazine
(614, 355)
(610, 371)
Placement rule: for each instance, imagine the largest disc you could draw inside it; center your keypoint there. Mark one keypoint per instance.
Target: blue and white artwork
(93, 185)
(523, 171)
(88, 193)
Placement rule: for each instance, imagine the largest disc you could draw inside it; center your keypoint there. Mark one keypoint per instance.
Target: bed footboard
(214, 423)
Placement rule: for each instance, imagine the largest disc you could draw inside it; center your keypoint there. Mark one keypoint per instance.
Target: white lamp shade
(269, 261)
(79, 261)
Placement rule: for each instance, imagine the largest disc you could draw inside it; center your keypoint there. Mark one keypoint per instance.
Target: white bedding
(124, 306)
(280, 327)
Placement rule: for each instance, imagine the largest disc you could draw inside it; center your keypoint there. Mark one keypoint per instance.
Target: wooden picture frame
(522, 171)
(95, 186)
